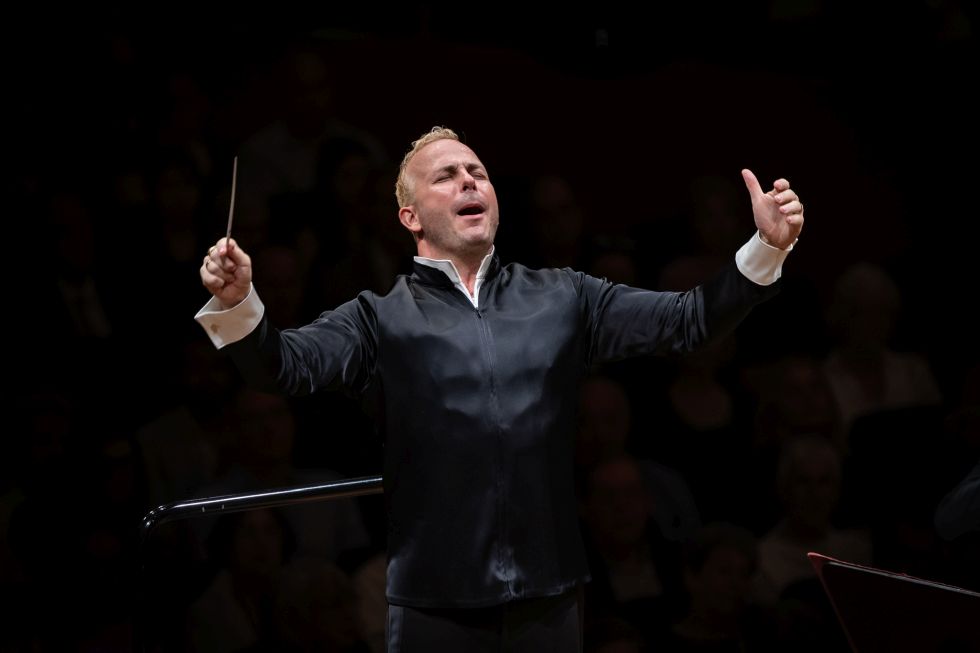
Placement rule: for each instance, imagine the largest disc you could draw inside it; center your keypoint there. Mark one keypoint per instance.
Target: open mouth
(471, 209)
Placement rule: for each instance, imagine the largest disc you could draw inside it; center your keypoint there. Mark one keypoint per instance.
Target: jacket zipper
(499, 462)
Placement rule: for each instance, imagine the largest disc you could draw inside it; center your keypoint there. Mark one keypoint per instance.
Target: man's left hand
(778, 213)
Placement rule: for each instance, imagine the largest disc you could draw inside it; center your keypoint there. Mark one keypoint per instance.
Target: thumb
(236, 254)
(755, 190)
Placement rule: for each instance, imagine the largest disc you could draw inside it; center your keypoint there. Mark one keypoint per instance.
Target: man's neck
(467, 265)
(467, 268)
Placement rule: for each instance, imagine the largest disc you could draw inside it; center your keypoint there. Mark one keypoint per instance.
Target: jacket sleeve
(622, 321)
(336, 352)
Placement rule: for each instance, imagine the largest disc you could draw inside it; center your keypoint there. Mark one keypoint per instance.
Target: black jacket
(478, 408)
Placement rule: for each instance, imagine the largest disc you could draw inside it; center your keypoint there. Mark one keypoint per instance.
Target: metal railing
(191, 508)
(351, 487)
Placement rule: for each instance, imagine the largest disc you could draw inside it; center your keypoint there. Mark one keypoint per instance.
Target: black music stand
(884, 611)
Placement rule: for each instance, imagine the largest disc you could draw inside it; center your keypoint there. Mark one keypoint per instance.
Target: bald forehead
(439, 154)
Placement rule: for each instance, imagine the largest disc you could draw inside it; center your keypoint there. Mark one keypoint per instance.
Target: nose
(469, 183)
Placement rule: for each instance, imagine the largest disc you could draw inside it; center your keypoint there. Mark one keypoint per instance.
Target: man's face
(454, 210)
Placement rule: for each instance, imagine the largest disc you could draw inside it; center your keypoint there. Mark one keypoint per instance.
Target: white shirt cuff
(227, 326)
(759, 262)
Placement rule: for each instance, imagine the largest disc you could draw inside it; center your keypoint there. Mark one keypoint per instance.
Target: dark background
(869, 111)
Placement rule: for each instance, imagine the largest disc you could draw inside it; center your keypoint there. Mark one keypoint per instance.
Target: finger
(237, 255)
(215, 268)
(211, 282)
(755, 190)
(222, 262)
(226, 245)
(795, 220)
(786, 196)
(780, 184)
(224, 277)
(217, 281)
(792, 207)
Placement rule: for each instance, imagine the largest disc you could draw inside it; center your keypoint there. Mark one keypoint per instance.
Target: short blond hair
(403, 189)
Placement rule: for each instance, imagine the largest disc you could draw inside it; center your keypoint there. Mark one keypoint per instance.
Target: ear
(410, 219)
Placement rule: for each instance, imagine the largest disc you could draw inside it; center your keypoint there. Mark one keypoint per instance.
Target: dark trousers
(551, 624)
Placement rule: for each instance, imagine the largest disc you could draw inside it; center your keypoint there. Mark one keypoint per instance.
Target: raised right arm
(336, 351)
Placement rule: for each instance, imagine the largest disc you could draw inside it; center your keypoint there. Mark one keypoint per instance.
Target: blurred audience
(633, 567)
(865, 373)
(718, 565)
(248, 551)
(261, 457)
(809, 483)
(605, 425)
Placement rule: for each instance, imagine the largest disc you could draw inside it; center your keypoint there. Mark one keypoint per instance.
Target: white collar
(449, 268)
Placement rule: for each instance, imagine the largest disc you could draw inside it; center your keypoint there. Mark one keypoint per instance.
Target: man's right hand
(227, 273)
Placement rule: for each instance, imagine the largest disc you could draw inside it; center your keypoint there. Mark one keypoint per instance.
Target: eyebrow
(452, 167)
